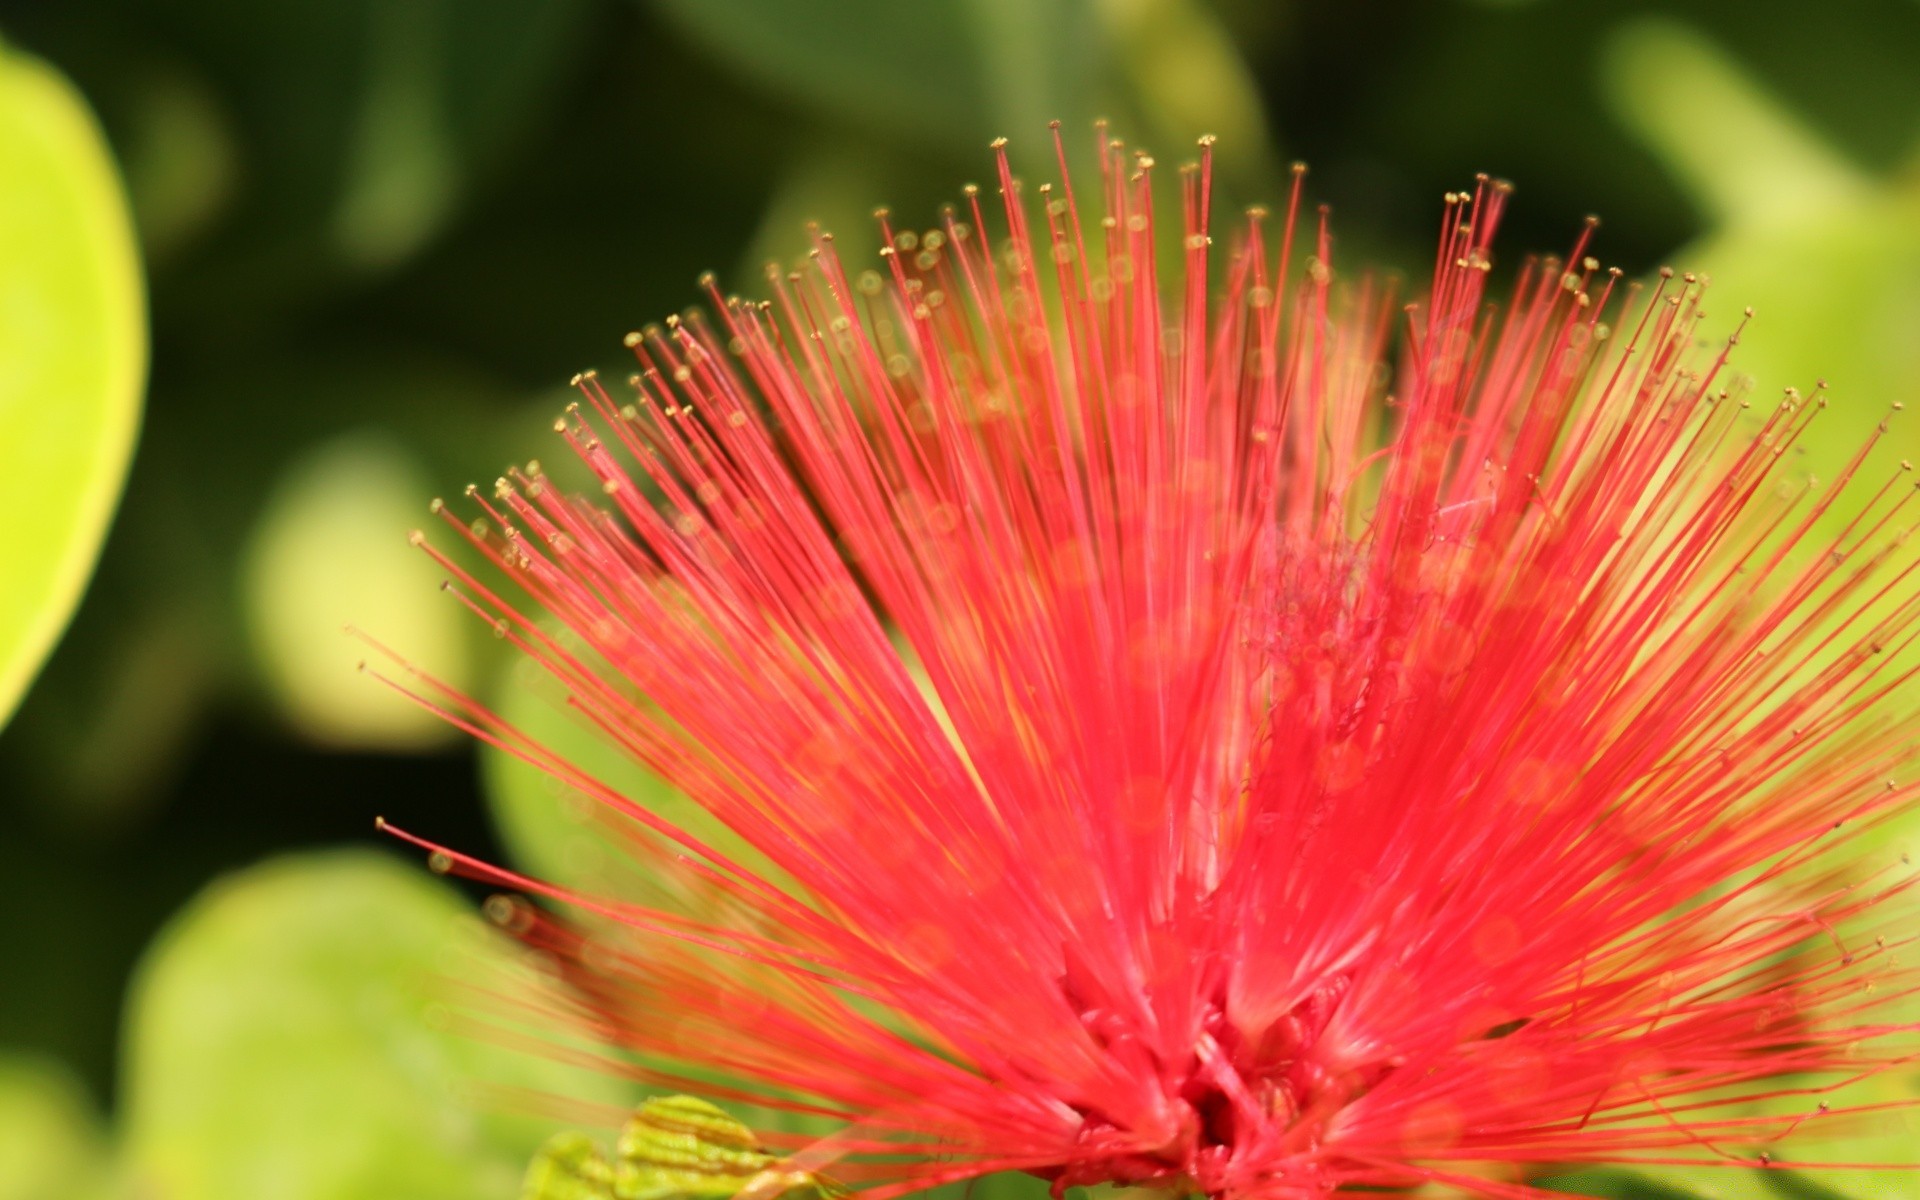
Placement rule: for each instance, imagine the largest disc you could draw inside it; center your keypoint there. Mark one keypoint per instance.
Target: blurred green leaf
(1018, 1185)
(835, 185)
(1828, 257)
(181, 160)
(1882, 1137)
(72, 356)
(1836, 296)
(51, 1144)
(287, 1041)
(909, 68)
(1188, 77)
(1613, 1184)
(330, 550)
(361, 128)
(552, 830)
(1742, 155)
(1717, 1183)
(957, 71)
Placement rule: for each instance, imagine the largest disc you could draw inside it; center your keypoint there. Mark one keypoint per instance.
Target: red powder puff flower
(1254, 743)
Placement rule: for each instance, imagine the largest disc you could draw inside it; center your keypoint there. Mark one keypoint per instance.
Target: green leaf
(1613, 1184)
(553, 831)
(1835, 297)
(287, 1041)
(1690, 1183)
(955, 73)
(361, 128)
(181, 160)
(72, 356)
(672, 1148)
(568, 1167)
(1188, 77)
(1825, 255)
(1887, 1136)
(1829, 260)
(1018, 1185)
(1717, 1183)
(1744, 157)
(958, 71)
(51, 1144)
(330, 550)
(683, 1148)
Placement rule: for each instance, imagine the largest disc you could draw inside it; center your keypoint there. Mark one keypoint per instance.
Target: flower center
(1252, 1112)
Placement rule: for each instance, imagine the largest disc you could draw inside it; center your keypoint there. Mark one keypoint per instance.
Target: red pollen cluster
(1245, 735)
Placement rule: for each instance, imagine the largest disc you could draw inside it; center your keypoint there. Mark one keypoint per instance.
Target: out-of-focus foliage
(1825, 250)
(1885, 1136)
(651, 1155)
(553, 829)
(944, 69)
(951, 74)
(327, 141)
(72, 356)
(51, 1143)
(1694, 1183)
(379, 236)
(287, 1037)
(329, 551)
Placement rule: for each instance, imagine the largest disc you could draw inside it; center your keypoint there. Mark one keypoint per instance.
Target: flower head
(1252, 743)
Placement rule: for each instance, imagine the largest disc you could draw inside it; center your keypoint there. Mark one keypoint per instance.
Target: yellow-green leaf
(51, 1143)
(72, 356)
(287, 1039)
(1744, 157)
(554, 831)
(328, 551)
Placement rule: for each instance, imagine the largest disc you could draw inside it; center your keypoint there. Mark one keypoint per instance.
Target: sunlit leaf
(1835, 298)
(330, 550)
(287, 1039)
(1828, 258)
(72, 356)
(1187, 78)
(556, 832)
(1892, 1144)
(1741, 154)
(1717, 1183)
(51, 1144)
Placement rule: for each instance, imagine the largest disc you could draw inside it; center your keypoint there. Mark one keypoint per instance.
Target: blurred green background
(372, 238)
